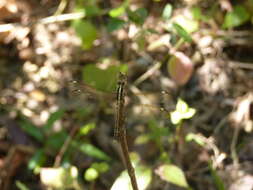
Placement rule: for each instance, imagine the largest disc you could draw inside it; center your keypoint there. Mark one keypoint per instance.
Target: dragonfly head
(122, 79)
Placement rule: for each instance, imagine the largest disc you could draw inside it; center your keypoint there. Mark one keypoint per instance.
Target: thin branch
(64, 147)
(46, 20)
(120, 130)
(61, 7)
(61, 18)
(147, 74)
(241, 65)
(127, 160)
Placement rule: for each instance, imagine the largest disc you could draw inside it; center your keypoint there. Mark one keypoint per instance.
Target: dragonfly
(122, 97)
(119, 119)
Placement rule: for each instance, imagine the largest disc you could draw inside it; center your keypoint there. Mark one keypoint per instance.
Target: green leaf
(92, 151)
(183, 111)
(167, 11)
(37, 161)
(188, 24)
(92, 10)
(115, 24)
(189, 114)
(32, 130)
(181, 106)
(176, 117)
(21, 185)
(138, 16)
(100, 167)
(119, 10)
(172, 174)
(103, 80)
(196, 138)
(86, 31)
(91, 174)
(143, 177)
(142, 139)
(216, 178)
(156, 131)
(196, 12)
(237, 17)
(182, 32)
(84, 130)
(53, 117)
(56, 140)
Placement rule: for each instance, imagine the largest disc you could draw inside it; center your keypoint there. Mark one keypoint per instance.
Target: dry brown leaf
(7, 8)
(242, 114)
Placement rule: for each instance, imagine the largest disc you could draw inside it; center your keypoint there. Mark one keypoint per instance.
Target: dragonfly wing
(87, 90)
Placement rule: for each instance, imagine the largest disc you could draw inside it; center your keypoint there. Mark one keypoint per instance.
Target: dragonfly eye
(72, 82)
(77, 90)
(121, 83)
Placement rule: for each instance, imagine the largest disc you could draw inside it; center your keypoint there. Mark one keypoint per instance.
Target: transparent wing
(144, 101)
(78, 88)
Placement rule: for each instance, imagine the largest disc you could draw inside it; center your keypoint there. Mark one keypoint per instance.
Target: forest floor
(40, 57)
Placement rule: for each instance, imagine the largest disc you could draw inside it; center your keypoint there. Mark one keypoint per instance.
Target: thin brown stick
(46, 20)
(128, 164)
(120, 131)
(64, 147)
(148, 73)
